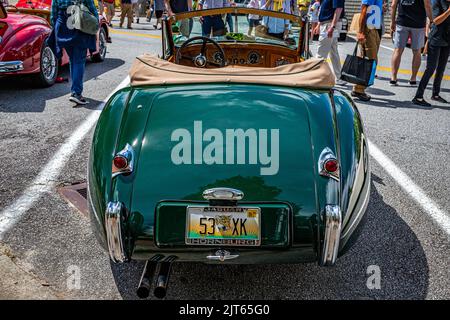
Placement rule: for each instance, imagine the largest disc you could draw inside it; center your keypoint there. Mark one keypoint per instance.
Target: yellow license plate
(223, 226)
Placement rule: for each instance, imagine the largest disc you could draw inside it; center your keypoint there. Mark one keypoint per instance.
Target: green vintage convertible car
(232, 147)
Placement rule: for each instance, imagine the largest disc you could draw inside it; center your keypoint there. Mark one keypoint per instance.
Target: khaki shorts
(402, 34)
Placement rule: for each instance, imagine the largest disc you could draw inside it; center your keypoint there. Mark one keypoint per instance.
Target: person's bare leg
(110, 14)
(425, 49)
(395, 62)
(313, 26)
(130, 16)
(250, 30)
(122, 15)
(415, 64)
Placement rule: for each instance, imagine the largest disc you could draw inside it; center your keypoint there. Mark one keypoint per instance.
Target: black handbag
(359, 70)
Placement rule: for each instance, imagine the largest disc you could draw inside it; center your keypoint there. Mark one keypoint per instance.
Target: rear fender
(324, 135)
(355, 170)
(100, 158)
(122, 122)
(25, 45)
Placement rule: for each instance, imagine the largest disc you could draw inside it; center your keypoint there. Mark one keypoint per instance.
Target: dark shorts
(277, 35)
(212, 22)
(254, 22)
(158, 13)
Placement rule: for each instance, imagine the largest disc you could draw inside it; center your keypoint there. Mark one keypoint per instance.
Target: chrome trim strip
(357, 187)
(223, 194)
(363, 207)
(333, 224)
(113, 216)
(256, 256)
(325, 155)
(359, 214)
(127, 153)
(11, 66)
(349, 225)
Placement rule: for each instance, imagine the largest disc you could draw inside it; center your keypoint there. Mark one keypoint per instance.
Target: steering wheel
(201, 60)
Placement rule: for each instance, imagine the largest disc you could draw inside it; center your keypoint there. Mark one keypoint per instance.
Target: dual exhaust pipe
(161, 267)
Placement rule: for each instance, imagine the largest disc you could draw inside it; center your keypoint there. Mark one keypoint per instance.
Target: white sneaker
(340, 82)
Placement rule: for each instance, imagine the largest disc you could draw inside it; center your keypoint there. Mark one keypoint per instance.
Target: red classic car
(23, 50)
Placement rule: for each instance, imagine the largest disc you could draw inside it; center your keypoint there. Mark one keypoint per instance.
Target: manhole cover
(76, 195)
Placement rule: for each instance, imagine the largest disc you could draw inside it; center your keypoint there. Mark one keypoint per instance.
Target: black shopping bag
(359, 70)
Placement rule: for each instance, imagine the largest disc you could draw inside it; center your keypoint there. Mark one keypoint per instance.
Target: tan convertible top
(312, 73)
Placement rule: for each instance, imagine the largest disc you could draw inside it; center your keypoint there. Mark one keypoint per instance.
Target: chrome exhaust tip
(162, 278)
(143, 290)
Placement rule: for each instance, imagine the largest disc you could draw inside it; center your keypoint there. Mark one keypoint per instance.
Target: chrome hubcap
(102, 44)
(48, 64)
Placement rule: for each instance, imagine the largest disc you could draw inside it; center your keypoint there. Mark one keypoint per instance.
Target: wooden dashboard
(242, 54)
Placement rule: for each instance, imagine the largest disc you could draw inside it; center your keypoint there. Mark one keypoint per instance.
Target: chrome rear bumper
(332, 236)
(114, 216)
(11, 66)
(113, 225)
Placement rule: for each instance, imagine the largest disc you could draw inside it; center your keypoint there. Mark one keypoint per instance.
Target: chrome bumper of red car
(10, 66)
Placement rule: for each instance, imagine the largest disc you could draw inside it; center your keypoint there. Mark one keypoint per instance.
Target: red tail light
(120, 162)
(328, 164)
(331, 165)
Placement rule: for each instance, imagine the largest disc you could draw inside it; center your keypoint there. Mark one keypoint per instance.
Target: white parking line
(413, 190)
(390, 49)
(49, 174)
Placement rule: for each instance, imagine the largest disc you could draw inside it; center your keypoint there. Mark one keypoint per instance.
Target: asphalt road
(400, 237)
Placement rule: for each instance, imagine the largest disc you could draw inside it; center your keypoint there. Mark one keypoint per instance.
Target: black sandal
(393, 82)
(439, 99)
(412, 83)
(361, 96)
(421, 102)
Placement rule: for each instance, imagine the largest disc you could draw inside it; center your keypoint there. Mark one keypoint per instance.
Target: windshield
(239, 25)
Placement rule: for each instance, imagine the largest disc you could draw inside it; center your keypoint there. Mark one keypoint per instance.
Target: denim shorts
(402, 34)
(253, 22)
(215, 22)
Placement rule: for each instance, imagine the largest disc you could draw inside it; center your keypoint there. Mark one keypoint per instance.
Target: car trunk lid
(253, 138)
